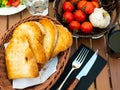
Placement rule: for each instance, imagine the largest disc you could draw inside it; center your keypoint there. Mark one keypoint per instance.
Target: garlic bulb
(100, 18)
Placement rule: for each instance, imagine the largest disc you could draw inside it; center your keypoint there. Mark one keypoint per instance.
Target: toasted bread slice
(50, 36)
(20, 60)
(32, 31)
(64, 40)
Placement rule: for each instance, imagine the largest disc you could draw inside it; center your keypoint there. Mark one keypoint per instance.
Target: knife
(84, 71)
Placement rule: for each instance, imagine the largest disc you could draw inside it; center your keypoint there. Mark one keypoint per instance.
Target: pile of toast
(33, 43)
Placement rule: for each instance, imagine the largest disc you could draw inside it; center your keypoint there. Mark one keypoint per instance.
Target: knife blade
(84, 71)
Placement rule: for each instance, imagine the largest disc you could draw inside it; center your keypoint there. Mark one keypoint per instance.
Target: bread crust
(20, 62)
(24, 51)
(50, 37)
(33, 33)
(64, 40)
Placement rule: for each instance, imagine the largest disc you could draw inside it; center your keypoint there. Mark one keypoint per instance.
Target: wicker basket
(5, 83)
(112, 6)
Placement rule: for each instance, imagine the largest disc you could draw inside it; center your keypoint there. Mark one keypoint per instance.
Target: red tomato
(96, 0)
(9, 2)
(96, 4)
(16, 3)
(89, 7)
(74, 25)
(68, 17)
(67, 6)
(79, 15)
(86, 27)
(81, 4)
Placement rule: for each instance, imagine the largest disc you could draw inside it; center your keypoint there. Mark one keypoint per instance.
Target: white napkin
(44, 74)
(48, 69)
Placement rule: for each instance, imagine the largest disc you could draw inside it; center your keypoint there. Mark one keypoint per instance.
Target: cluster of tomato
(76, 13)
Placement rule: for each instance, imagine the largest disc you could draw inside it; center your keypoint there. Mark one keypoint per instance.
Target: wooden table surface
(109, 77)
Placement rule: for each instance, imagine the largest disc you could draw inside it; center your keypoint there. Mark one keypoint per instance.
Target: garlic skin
(100, 18)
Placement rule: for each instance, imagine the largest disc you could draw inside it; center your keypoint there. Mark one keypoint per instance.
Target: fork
(76, 63)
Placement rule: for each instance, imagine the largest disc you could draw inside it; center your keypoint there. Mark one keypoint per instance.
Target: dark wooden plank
(115, 73)
(51, 10)
(3, 25)
(12, 19)
(114, 65)
(85, 41)
(25, 13)
(102, 81)
(92, 86)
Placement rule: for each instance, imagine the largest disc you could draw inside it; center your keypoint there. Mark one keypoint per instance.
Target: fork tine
(84, 55)
(79, 55)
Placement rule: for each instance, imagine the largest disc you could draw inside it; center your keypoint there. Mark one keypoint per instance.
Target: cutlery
(84, 71)
(76, 63)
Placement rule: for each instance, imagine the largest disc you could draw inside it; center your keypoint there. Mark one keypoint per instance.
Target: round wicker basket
(113, 8)
(5, 83)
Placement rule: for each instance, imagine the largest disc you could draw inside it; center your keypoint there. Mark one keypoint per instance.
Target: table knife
(84, 71)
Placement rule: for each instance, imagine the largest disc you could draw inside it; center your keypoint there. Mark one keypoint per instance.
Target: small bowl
(112, 6)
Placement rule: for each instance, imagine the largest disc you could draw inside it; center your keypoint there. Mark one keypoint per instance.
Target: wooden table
(109, 77)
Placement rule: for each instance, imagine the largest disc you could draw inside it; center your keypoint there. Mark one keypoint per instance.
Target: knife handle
(73, 85)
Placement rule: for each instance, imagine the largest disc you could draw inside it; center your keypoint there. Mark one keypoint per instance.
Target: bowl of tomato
(87, 18)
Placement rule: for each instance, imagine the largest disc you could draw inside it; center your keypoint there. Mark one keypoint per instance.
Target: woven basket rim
(5, 83)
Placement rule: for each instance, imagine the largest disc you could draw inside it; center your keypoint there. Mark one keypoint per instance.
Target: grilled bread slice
(20, 62)
(64, 40)
(32, 31)
(25, 51)
(50, 37)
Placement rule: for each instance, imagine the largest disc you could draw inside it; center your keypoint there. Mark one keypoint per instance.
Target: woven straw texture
(5, 83)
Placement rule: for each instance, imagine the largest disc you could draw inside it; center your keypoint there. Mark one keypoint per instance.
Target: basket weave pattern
(5, 83)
